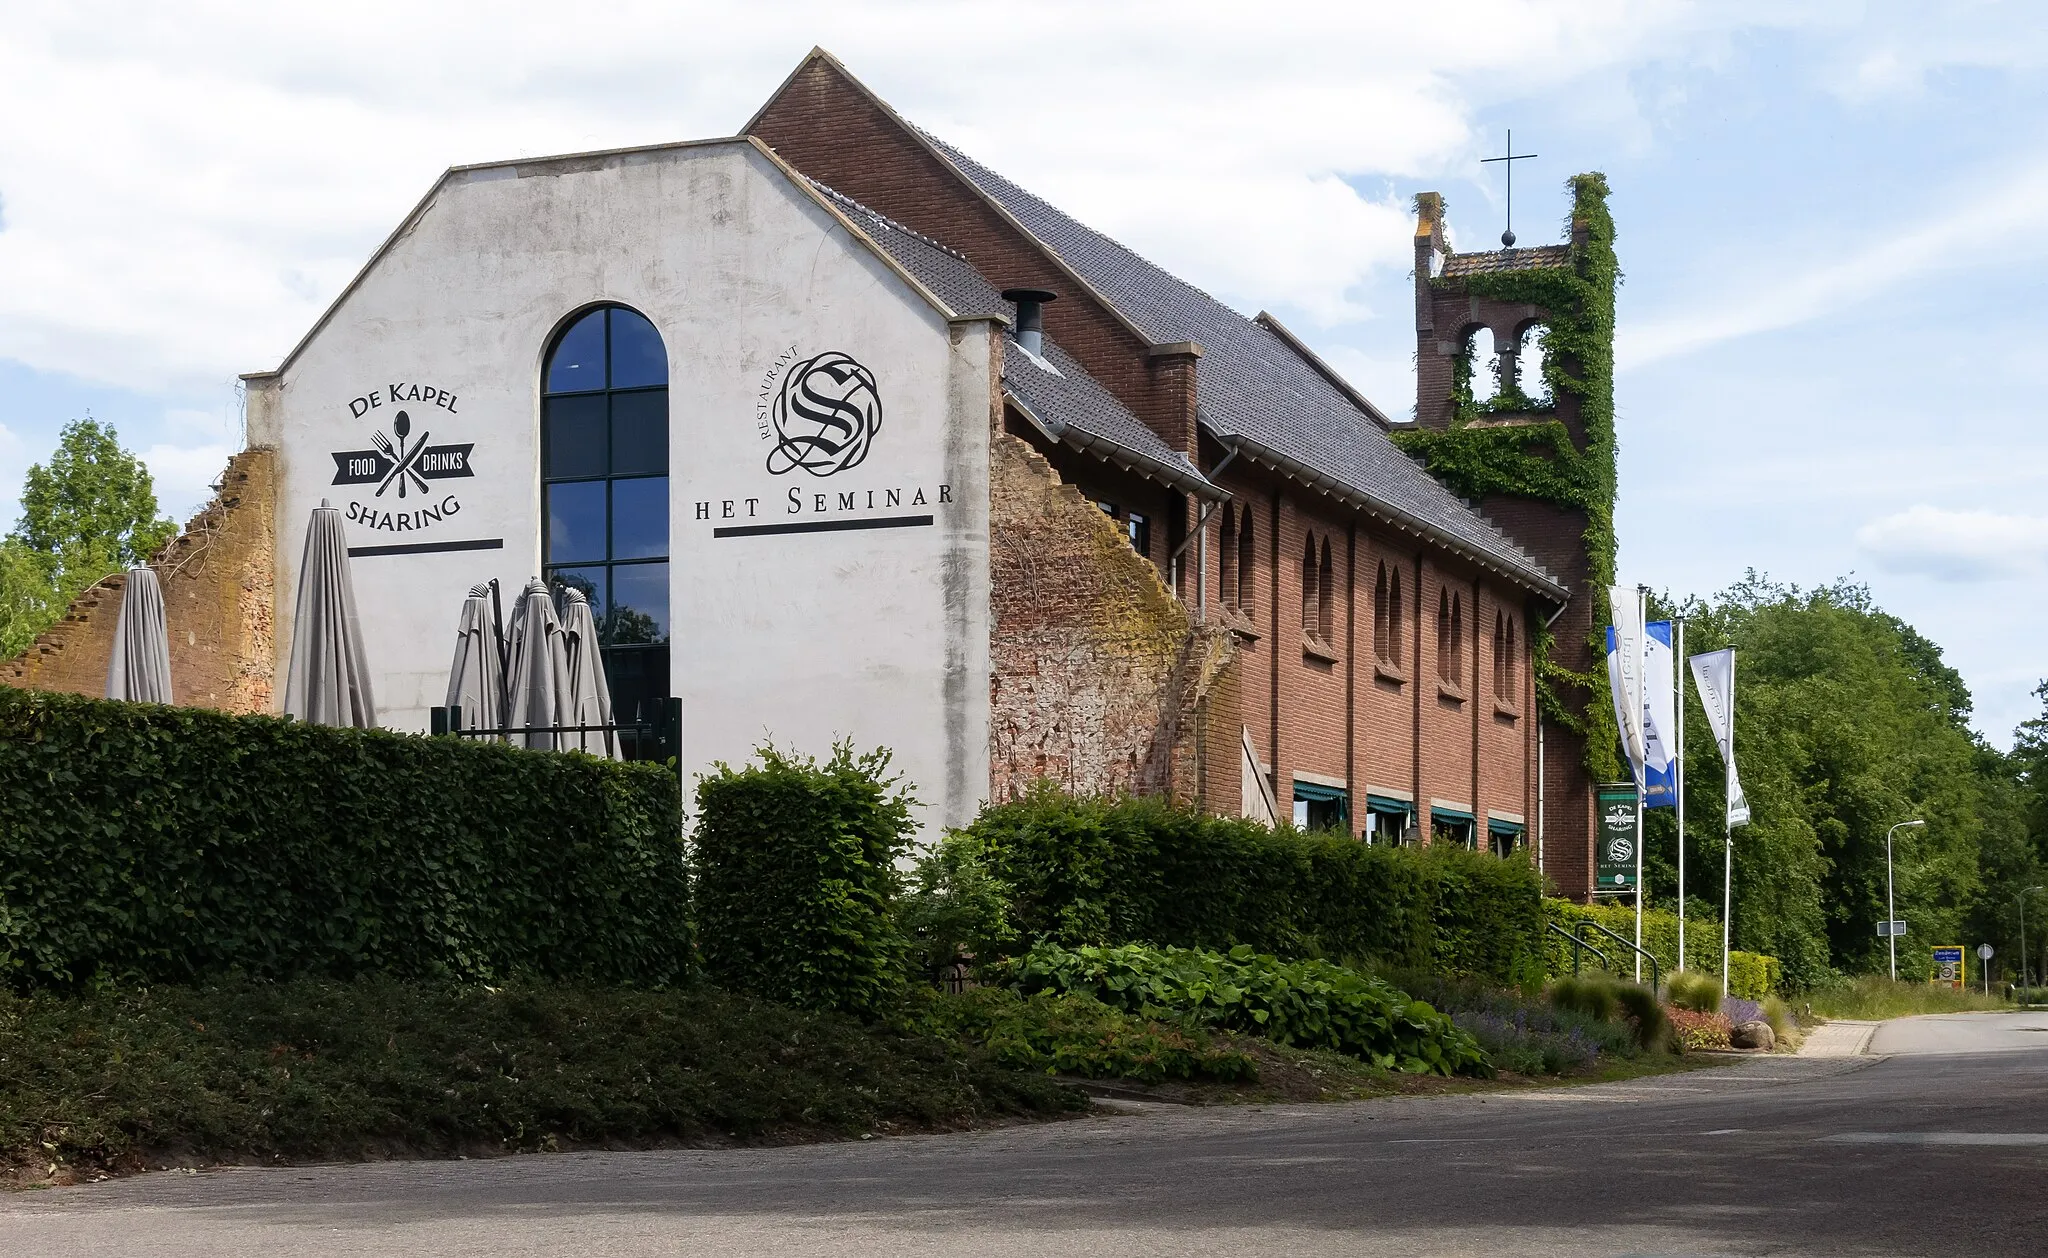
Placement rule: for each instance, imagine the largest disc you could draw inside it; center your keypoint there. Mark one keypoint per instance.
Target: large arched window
(604, 475)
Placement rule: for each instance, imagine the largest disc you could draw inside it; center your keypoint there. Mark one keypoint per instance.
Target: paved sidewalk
(1839, 1038)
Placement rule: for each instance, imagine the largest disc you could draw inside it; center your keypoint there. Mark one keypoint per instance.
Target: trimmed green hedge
(1089, 870)
(796, 870)
(153, 844)
(1753, 977)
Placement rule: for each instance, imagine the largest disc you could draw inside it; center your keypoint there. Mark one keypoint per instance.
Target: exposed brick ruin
(218, 581)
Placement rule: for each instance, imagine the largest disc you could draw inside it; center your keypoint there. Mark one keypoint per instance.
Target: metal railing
(1656, 974)
(1578, 944)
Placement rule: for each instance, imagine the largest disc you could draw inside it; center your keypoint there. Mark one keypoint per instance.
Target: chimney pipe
(1030, 316)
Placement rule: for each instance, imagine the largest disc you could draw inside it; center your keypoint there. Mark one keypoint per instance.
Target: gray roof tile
(1535, 258)
(1251, 384)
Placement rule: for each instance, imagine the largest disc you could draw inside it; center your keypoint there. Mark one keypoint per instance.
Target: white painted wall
(880, 636)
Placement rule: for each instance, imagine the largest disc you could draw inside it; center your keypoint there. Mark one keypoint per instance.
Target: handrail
(1656, 973)
(1577, 943)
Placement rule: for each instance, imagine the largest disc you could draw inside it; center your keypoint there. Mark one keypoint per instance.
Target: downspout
(1200, 539)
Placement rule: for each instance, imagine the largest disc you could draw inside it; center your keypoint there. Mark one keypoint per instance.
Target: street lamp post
(1889, 916)
(2023, 933)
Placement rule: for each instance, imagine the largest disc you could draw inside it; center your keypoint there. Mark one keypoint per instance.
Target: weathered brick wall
(218, 582)
(1098, 672)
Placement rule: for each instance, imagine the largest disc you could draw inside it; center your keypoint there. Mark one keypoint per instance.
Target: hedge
(795, 865)
(1087, 870)
(1753, 976)
(141, 843)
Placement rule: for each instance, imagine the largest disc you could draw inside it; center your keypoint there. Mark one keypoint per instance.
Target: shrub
(1612, 1001)
(954, 906)
(795, 866)
(1089, 870)
(1693, 990)
(1753, 976)
(1738, 1011)
(159, 844)
(1076, 1034)
(1778, 1014)
(1512, 1042)
(1525, 1015)
(1308, 1003)
(1693, 1030)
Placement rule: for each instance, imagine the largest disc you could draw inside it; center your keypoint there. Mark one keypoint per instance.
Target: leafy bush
(955, 907)
(1090, 870)
(1738, 1011)
(1693, 1030)
(1693, 990)
(1512, 1043)
(1753, 976)
(1525, 1015)
(1308, 1003)
(1076, 1034)
(795, 866)
(159, 844)
(315, 1069)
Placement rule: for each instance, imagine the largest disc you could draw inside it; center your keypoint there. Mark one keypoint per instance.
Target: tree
(90, 512)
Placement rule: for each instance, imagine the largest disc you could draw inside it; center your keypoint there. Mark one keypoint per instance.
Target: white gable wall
(879, 635)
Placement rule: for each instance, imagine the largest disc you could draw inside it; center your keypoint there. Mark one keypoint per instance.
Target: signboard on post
(1614, 870)
(1948, 966)
(1892, 929)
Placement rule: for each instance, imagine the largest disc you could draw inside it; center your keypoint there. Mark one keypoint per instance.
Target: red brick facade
(1454, 737)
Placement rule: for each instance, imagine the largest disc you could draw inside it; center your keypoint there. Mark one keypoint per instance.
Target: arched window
(1508, 666)
(1450, 637)
(1500, 654)
(604, 476)
(1311, 613)
(1484, 359)
(1395, 608)
(1457, 640)
(1381, 626)
(1326, 597)
(1226, 556)
(1247, 566)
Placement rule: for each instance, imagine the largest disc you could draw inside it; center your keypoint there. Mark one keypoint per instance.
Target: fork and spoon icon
(402, 461)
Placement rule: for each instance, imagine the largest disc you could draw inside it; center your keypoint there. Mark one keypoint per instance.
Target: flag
(1660, 718)
(1714, 674)
(1624, 672)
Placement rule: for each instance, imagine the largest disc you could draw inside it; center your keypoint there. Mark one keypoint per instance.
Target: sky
(1832, 219)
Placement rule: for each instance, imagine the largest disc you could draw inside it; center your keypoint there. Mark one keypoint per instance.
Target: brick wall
(1098, 671)
(218, 603)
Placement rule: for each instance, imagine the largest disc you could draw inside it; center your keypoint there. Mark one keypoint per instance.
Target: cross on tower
(1509, 158)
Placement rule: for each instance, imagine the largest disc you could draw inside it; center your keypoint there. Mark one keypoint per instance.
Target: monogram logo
(825, 416)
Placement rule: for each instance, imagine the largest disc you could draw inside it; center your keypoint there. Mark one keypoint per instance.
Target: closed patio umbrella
(590, 699)
(537, 676)
(476, 681)
(328, 682)
(140, 670)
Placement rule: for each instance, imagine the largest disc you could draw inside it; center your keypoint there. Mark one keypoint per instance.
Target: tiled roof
(1251, 384)
(1539, 257)
(1058, 392)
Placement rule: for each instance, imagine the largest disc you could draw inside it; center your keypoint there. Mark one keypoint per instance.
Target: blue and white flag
(1654, 765)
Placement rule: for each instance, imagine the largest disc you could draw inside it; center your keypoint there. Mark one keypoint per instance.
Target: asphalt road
(1939, 1149)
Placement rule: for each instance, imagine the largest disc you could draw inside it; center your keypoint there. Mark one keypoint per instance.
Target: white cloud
(1957, 546)
(184, 475)
(2014, 215)
(202, 178)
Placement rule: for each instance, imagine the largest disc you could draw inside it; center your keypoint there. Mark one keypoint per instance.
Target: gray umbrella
(590, 699)
(537, 677)
(329, 679)
(476, 682)
(141, 668)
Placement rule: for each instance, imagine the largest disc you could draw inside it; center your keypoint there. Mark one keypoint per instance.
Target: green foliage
(1072, 1033)
(1540, 460)
(1753, 976)
(318, 1070)
(156, 844)
(1609, 1000)
(1875, 997)
(795, 866)
(1778, 1014)
(1847, 722)
(954, 907)
(1693, 990)
(1307, 1003)
(1694, 1030)
(1093, 870)
(89, 512)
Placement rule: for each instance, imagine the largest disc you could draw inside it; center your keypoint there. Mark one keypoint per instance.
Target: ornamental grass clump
(1611, 1000)
(1312, 1004)
(1690, 989)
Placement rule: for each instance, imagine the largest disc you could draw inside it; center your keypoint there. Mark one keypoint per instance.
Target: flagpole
(1728, 832)
(1643, 769)
(1678, 769)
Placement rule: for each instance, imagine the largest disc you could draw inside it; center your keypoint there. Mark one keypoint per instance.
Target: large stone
(1754, 1034)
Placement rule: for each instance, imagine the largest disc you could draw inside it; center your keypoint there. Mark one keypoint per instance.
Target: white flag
(1660, 699)
(1714, 674)
(1624, 672)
